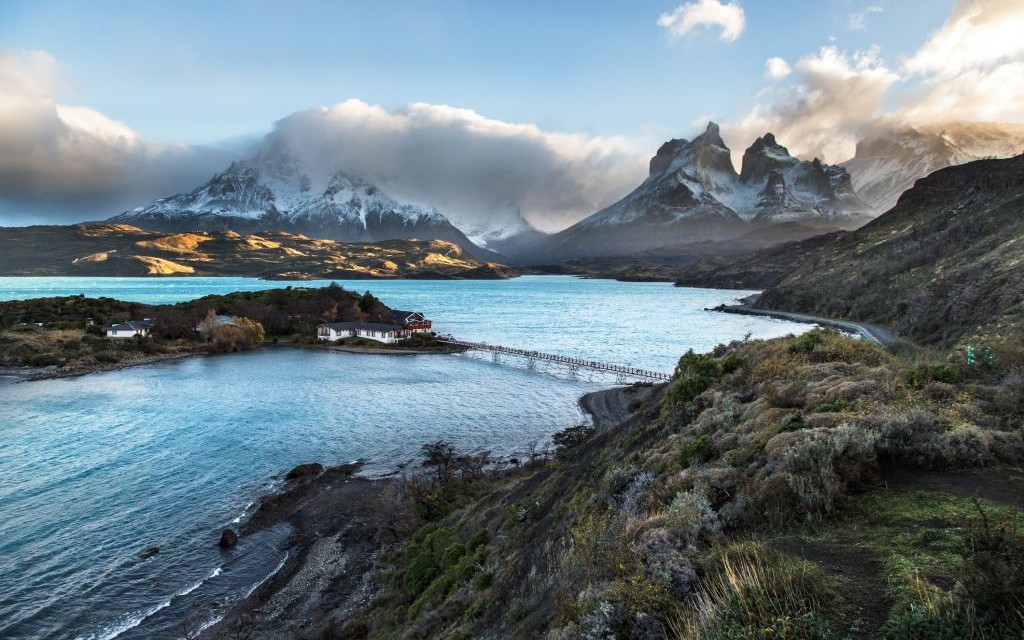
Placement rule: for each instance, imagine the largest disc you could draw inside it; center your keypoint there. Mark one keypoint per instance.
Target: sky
(547, 108)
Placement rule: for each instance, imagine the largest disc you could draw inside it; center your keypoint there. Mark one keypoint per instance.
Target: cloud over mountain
(477, 170)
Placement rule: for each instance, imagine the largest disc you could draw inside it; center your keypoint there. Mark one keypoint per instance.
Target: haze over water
(95, 469)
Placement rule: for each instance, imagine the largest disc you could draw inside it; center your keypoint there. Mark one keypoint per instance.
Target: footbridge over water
(622, 372)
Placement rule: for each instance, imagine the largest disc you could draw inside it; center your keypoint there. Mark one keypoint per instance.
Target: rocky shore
(341, 523)
(49, 373)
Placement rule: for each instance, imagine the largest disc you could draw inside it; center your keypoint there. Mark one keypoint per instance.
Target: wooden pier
(574, 364)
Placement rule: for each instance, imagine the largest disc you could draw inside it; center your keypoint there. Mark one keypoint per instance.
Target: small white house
(130, 329)
(386, 333)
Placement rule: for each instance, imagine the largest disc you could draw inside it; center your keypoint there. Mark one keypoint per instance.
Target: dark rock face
(305, 471)
(228, 539)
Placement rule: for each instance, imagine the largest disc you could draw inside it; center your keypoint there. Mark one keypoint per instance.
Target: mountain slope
(946, 262)
(888, 163)
(123, 250)
(274, 193)
(693, 194)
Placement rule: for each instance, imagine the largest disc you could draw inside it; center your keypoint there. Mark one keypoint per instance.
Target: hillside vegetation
(53, 332)
(124, 250)
(774, 489)
(946, 265)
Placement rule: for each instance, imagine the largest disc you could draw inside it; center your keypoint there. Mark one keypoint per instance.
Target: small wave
(209, 623)
(244, 511)
(189, 589)
(130, 623)
(269, 576)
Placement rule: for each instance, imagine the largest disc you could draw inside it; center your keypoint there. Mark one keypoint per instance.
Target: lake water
(95, 469)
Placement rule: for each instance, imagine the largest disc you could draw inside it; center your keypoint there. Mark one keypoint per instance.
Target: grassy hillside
(123, 250)
(946, 264)
(810, 487)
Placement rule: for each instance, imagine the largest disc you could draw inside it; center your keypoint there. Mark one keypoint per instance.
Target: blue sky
(551, 109)
(200, 72)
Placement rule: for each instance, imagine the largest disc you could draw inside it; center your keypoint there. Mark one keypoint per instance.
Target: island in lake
(73, 335)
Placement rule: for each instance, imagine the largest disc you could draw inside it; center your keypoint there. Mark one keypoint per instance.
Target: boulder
(228, 539)
(149, 553)
(305, 471)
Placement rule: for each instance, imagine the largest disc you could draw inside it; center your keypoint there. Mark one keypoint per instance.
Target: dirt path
(871, 332)
(860, 572)
(1003, 485)
(610, 407)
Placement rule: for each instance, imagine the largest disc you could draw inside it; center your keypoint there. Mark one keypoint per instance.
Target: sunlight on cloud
(777, 68)
(705, 13)
(824, 113)
(971, 69)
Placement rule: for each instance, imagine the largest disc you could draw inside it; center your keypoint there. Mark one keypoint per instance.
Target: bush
(922, 374)
(107, 357)
(761, 594)
(44, 360)
(692, 518)
(695, 451)
(571, 437)
(824, 463)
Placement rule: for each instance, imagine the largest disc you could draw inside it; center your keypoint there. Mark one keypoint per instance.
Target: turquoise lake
(94, 469)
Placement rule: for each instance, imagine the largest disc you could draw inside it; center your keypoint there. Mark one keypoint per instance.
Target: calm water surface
(97, 468)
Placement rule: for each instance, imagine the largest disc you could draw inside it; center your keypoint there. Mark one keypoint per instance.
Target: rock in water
(228, 539)
(149, 553)
(305, 471)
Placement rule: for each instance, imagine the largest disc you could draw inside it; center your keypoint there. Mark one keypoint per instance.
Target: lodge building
(406, 323)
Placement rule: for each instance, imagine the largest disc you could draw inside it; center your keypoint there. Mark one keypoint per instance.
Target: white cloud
(777, 68)
(477, 170)
(970, 69)
(60, 163)
(705, 13)
(858, 20)
(824, 113)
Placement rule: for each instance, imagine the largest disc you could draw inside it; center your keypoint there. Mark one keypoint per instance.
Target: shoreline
(873, 333)
(33, 374)
(341, 523)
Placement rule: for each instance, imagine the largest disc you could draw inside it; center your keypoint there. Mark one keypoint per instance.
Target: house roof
(132, 325)
(403, 316)
(363, 326)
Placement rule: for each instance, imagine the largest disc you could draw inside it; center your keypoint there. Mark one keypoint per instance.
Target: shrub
(695, 451)
(107, 357)
(571, 437)
(44, 360)
(808, 341)
(694, 374)
(691, 516)
(824, 463)
(922, 374)
(761, 594)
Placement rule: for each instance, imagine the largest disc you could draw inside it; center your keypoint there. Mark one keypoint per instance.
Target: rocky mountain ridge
(273, 192)
(943, 264)
(693, 193)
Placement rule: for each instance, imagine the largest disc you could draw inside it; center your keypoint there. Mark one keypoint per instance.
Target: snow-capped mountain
(272, 192)
(693, 194)
(514, 237)
(889, 162)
